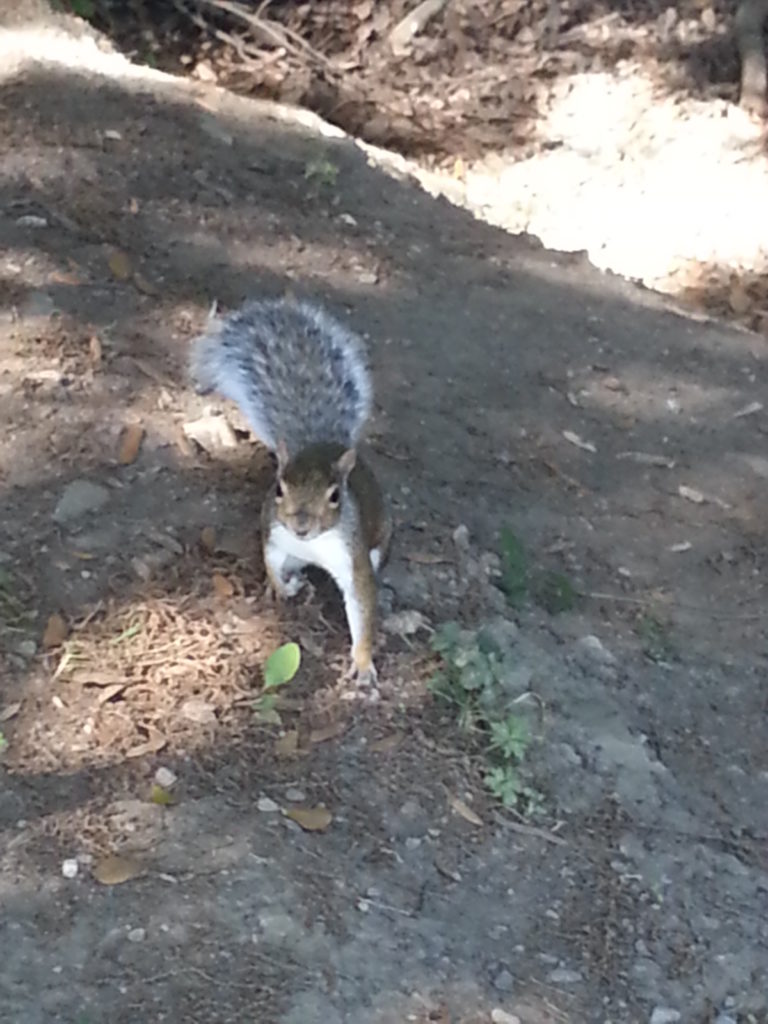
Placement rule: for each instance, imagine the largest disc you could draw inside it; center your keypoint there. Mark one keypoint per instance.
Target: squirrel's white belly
(329, 551)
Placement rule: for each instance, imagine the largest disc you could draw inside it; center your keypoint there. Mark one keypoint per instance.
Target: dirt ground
(622, 441)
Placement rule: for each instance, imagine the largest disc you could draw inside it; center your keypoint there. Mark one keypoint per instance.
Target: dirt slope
(641, 894)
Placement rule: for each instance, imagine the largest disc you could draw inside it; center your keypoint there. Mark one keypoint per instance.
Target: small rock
(591, 649)
(70, 867)
(412, 843)
(499, 1016)
(725, 1018)
(564, 976)
(30, 220)
(137, 935)
(663, 1015)
(267, 805)
(504, 981)
(79, 498)
(165, 778)
(26, 648)
(367, 277)
(461, 537)
(295, 795)
(211, 433)
(198, 711)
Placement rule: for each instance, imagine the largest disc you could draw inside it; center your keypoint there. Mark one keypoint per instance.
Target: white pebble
(295, 795)
(70, 867)
(267, 805)
(136, 935)
(165, 778)
(664, 1015)
(499, 1016)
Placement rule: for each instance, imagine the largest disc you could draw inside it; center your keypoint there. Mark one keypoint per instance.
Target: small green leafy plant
(280, 668)
(321, 173)
(552, 591)
(3, 743)
(471, 679)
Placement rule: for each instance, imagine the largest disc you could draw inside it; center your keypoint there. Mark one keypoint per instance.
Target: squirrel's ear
(346, 463)
(282, 455)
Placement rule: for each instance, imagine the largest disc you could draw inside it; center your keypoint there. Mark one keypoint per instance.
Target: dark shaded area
(475, 80)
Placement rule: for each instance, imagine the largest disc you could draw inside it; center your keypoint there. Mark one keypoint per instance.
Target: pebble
(295, 795)
(267, 805)
(590, 648)
(504, 981)
(137, 935)
(564, 976)
(165, 777)
(79, 498)
(499, 1016)
(664, 1015)
(30, 220)
(70, 867)
(725, 1018)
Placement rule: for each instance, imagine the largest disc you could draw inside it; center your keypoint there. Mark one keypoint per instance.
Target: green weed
(470, 679)
(280, 668)
(552, 591)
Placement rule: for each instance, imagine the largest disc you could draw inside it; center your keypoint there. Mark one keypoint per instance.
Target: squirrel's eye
(333, 497)
(279, 491)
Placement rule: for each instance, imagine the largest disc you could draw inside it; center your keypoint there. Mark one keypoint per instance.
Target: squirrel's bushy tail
(297, 374)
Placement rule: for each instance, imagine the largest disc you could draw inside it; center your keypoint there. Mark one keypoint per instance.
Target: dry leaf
(328, 732)
(691, 494)
(208, 539)
(739, 300)
(144, 285)
(10, 711)
(155, 742)
(130, 443)
(287, 745)
(386, 743)
(109, 692)
(222, 587)
(426, 558)
(311, 819)
(574, 439)
(95, 350)
(116, 869)
(56, 632)
(120, 265)
(464, 811)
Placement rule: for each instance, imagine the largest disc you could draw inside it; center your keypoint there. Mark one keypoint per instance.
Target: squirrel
(302, 381)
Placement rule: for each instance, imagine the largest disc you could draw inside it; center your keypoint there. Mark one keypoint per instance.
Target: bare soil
(621, 440)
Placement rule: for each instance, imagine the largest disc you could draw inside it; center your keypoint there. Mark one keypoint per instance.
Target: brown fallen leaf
(95, 350)
(56, 632)
(109, 692)
(10, 711)
(287, 745)
(386, 743)
(208, 539)
(465, 811)
(145, 286)
(130, 443)
(155, 742)
(328, 732)
(119, 264)
(116, 868)
(311, 819)
(739, 300)
(426, 558)
(222, 587)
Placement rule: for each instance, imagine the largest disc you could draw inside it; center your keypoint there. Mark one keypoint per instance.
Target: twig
(277, 35)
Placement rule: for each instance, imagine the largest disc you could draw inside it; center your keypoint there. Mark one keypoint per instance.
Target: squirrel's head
(310, 487)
